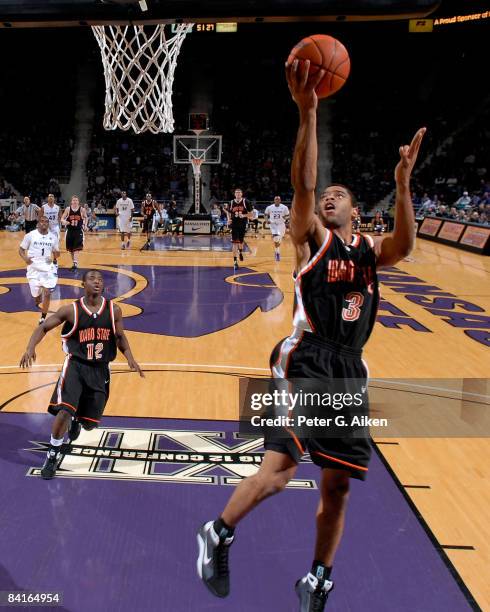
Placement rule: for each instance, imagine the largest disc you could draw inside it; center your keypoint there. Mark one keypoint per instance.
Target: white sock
(56, 441)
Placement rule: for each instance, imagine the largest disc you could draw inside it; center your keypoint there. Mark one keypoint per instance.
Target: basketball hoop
(139, 64)
(196, 166)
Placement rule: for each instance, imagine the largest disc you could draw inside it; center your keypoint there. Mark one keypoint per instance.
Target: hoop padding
(139, 64)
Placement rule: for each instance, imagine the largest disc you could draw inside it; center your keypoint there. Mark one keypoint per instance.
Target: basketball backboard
(206, 148)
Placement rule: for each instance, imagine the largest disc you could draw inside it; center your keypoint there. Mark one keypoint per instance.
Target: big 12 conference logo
(163, 455)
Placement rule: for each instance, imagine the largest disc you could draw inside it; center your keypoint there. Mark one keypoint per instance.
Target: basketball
(327, 53)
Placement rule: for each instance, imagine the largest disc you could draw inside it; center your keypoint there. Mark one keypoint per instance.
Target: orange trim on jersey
(97, 312)
(89, 312)
(314, 260)
(368, 239)
(291, 352)
(61, 381)
(102, 306)
(312, 327)
(295, 440)
(352, 465)
(63, 404)
(87, 419)
(357, 240)
(113, 318)
(278, 360)
(317, 256)
(75, 322)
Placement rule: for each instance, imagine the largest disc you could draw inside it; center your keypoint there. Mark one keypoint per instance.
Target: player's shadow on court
(14, 441)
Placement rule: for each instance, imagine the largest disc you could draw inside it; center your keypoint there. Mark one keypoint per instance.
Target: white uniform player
(277, 214)
(124, 211)
(37, 249)
(52, 212)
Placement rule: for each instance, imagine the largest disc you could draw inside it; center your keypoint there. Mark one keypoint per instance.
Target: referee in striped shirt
(30, 212)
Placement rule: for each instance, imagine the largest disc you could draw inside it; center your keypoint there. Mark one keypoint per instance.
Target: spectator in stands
(14, 222)
(3, 218)
(160, 218)
(224, 218)
(174, 218)
(91, 218)
(378, 225)
(474, 217)
(464, 202)
(254, 222)
(215, 218)
(425, 201)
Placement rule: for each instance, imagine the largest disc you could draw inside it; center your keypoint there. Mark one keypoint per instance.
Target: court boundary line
(430, 534)
(148, 363)
(119, 364)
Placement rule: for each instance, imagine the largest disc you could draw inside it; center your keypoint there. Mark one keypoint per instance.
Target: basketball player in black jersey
(92, 332)
(74, 218)
(148, 208)
(239, 212)
(337, 294)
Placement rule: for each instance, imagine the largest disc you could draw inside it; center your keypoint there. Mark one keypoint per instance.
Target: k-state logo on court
(162, 455)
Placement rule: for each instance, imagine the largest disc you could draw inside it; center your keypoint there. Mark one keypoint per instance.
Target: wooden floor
(197, 377)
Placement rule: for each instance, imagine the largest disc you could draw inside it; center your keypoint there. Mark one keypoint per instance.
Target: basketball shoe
(74, 431)
(53, 459)
(212, 562)
(312, 593)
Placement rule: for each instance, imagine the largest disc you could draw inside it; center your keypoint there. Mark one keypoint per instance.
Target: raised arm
(395, 246)
(65, 313)
(304, 222)
(123, 343)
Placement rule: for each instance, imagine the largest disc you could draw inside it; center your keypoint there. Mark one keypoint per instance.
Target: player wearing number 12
(92, 332)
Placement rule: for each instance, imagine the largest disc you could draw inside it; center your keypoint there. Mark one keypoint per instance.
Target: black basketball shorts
(325, 364)
(82, 390)
(238, 232)
(147, 225)
(74, 240)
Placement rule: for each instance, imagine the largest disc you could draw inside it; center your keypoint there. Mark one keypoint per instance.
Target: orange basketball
(328, 53)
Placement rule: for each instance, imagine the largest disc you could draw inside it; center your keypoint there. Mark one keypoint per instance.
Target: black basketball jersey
(75, 221)
(337, 292)
(239, 208)
(92, 336)
(149, 208)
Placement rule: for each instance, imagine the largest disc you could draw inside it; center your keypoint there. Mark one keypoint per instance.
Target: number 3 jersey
(337, 292)
(92, 335)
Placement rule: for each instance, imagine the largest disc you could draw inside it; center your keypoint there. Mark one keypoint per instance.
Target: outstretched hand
(27, 359)
(135, 367)
(302, 85)
(408, 157)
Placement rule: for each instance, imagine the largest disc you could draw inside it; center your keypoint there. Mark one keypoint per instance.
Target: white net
(139, 64)
(196, 166)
